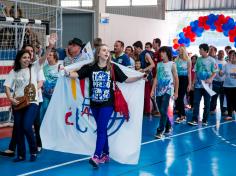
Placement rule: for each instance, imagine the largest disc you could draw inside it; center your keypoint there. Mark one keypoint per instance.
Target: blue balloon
(181, 35)
(212, 27)
(175, 52)
(226, 33)
(235, 39)
(225, 27)
(192, 24)
(187, 44)
(211, 19)
(196, 23)
(187, 41)
(181, 41)
(198, 34)
(200, 29)
(194, 29)
(230, 21)
(235, 44)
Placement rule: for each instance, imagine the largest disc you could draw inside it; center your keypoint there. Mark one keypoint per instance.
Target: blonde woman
(183, 64)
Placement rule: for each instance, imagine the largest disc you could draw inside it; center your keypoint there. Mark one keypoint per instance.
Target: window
(70, 3)
(87, 3)
(144, 2)
(118, 2)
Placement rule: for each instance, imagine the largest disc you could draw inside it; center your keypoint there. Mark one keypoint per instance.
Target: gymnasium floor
(205, 151)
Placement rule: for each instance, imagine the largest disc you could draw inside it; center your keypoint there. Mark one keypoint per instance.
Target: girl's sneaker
(104, 159)
(94, 161)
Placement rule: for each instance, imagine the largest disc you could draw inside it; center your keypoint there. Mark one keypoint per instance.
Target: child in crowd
(166, 83)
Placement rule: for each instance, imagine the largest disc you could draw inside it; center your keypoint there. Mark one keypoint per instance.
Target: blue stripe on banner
(8, 54)
(2, 89)
(4, 116)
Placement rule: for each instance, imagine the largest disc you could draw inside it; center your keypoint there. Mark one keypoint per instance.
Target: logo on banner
(115, 122)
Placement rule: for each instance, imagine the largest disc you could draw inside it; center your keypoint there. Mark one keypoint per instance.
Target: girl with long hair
(101, 96)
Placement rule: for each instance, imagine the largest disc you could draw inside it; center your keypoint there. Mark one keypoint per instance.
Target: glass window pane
(144, 2)
(70, 3)
(118, 2)
(87, 3)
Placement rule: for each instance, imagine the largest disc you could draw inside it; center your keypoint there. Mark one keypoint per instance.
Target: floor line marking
(55, 166)
(144, 143)
(187, 132)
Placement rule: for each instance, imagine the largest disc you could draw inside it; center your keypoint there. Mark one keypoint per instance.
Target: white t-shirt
(40, 77)
(17, 81)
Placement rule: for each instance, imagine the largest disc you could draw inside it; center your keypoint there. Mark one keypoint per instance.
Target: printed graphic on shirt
(165, 83)
(233, 73)
(51, 74)
(182, 67)
(204, 69)
(101, 86)
(21, 80)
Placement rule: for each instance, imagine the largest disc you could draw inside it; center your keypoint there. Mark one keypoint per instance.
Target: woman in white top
(24, 118)
(23, 73)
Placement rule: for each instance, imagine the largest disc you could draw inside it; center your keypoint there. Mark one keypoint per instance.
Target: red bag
(120, 105)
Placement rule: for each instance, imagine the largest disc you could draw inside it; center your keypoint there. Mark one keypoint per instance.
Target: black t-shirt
(101, 83)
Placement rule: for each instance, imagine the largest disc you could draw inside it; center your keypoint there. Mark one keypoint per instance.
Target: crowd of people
(165, 76)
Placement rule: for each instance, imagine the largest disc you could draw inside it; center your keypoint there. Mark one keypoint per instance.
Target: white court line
(144, 143)
(180, 134)
(52, 167)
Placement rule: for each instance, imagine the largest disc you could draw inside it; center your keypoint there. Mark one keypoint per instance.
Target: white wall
(130, 29)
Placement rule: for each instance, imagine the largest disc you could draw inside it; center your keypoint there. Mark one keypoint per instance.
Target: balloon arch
(212, 22)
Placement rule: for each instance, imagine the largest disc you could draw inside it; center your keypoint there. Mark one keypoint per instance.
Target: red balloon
(232, 33)
(221, 19)
(192, 39)
(176, 46)
(189, 29)
(206, 27)
(219, 29)
(231, 39)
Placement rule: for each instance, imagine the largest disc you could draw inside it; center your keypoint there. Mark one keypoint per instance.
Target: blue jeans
(102, 116)
(23, 121)
(198, 93)
(163, 103)
(44, 106)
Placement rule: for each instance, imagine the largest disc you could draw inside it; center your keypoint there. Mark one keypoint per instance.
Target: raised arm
(52, 41)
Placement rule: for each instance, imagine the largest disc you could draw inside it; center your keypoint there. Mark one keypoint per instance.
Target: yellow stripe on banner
(73, 88)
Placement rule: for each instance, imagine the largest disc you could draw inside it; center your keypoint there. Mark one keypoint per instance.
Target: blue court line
(144, 143)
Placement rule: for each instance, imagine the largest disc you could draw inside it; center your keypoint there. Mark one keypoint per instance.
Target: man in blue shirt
(119, 56)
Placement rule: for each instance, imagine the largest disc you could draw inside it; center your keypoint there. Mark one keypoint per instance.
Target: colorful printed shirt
(165, 83)
(229, 71)
(101, 83)
(204, 68)
(182, 67)
(51, 74)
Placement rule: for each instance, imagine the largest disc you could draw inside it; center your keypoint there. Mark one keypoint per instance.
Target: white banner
(69, 125)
